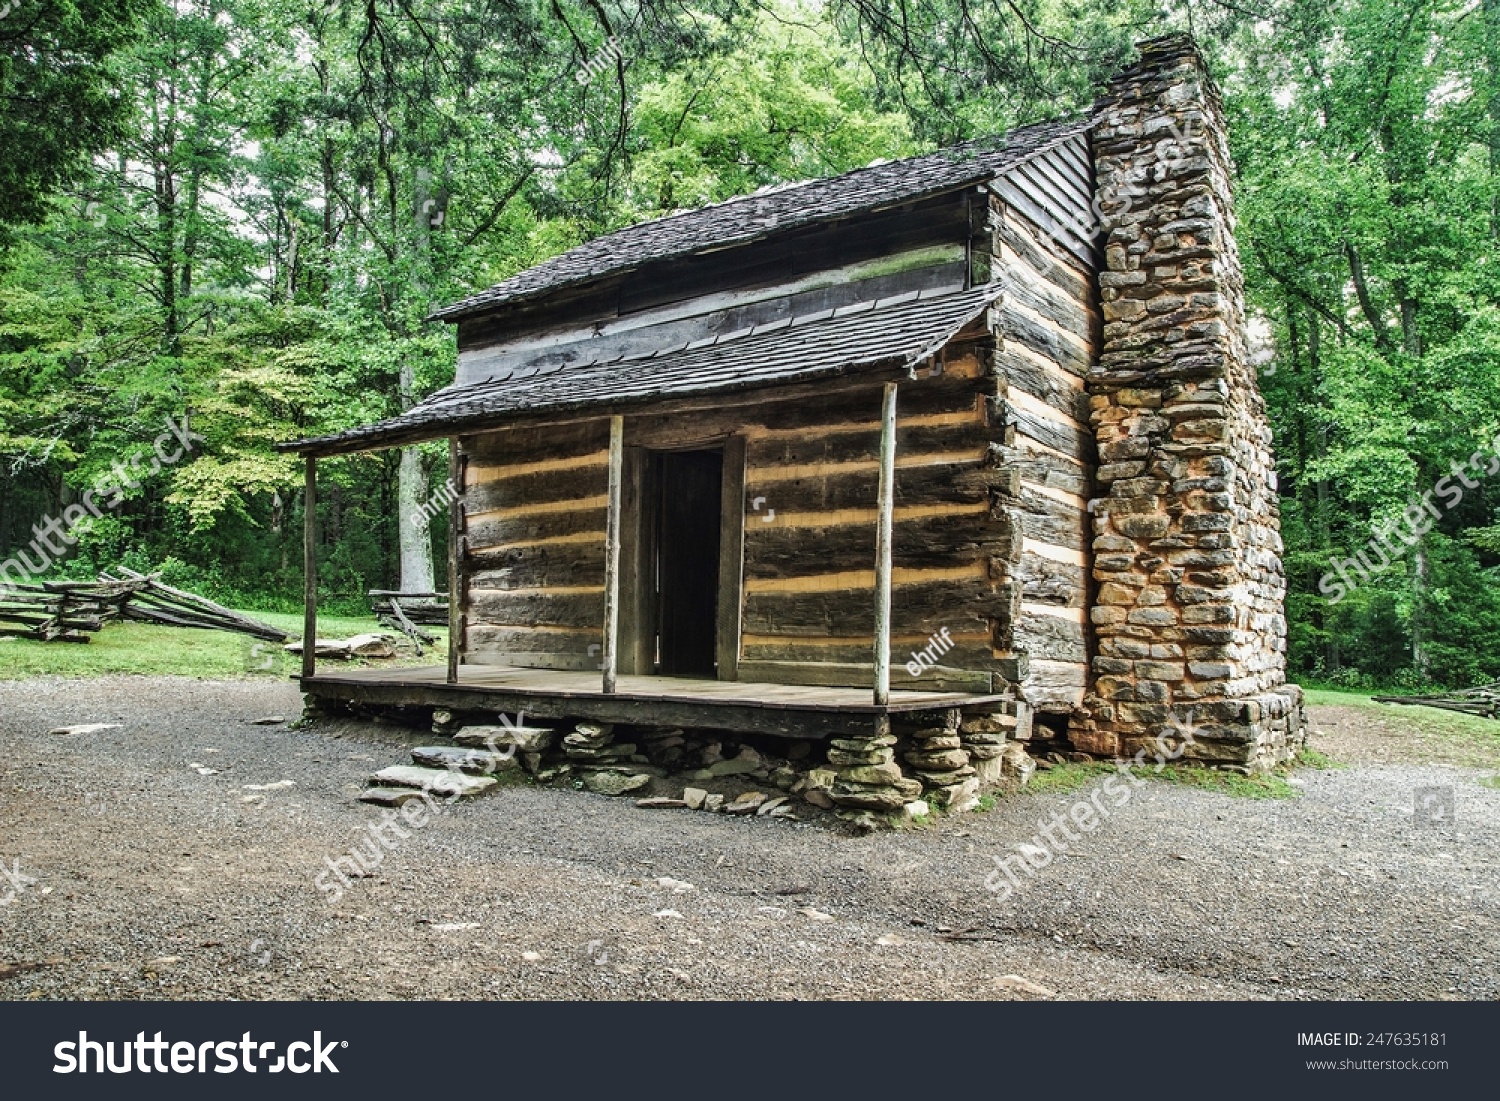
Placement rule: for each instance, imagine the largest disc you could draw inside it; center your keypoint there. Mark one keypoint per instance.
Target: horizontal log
(1051, 304)
(1045, 384)
(1042, 467)
(933, 542)
(1068, 439)
(516, 609)
(535, 566)
(495, 639)
(940, 679)
(532, 659)
(1056, 674)
(961, 606)
(544, 443)
(965, 483)
(1021, 247)
(1047, 581)
(1049, 638)
(1047, 520)
(861, 443)
(964, 654)
(494, 530)
(1054, 700)
(572, 484)
(834, 404)
(1040, 338)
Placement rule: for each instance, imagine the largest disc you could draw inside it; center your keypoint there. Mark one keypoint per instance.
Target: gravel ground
(158, 879)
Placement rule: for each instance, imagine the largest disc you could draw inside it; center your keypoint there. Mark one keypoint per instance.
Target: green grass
(1073, 775)
(1264, 785)
(1491, 782)
(151, 650)
(1466, 734)
(1312, 758)
(1063, 778)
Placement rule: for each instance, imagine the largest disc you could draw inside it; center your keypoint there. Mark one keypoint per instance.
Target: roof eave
(359, 440)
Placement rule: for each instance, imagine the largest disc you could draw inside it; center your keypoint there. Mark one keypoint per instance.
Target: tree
(60, 100)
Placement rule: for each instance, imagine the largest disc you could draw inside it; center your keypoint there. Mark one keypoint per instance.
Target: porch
(781, 709)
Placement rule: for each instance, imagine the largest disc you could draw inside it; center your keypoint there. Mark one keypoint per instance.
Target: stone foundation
(1188, 615)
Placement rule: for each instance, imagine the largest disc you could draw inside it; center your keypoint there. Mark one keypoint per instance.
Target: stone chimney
(1189, 624)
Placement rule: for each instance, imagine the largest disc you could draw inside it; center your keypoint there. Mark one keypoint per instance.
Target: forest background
(241, 211)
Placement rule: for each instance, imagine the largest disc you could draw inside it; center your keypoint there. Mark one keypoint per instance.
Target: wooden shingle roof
(750, 217)
(896, 335)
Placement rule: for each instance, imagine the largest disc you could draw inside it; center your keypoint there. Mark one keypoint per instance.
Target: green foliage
(1368, 139)
(61, 96)
(280, 191)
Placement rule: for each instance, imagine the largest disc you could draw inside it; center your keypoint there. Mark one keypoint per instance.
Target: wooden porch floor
(669, 701)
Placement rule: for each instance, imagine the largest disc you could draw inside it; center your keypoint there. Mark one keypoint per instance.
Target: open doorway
(684, 559)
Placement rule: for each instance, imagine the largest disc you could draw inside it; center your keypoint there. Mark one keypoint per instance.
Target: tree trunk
(414, 535)
(1492, 56)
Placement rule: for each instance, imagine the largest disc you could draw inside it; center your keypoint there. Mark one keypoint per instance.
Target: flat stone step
(480, 762)
(389, 797)
(439, 781)
(532, 738)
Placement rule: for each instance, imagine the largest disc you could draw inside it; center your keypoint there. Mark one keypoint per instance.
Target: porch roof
(894, 334)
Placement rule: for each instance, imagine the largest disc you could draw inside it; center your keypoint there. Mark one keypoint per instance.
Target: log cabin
(930, 458)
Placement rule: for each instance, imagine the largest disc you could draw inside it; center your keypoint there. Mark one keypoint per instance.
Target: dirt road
(177, 857)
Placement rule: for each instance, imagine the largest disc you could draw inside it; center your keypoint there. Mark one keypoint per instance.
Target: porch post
(887, 505)
(455, 531)
(612, 554)
(310, 569)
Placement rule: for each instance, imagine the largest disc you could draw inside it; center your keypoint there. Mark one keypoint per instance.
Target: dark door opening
(689, 505)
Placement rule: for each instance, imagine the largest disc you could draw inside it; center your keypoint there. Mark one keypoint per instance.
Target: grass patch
(1314, 759)
(1491, 782)
(1265, 785)
(1062, 779)
(147, 649)
(1069, 776)
(1440, 734)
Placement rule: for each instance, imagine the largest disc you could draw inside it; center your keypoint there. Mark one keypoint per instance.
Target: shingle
(762, 214)
(900, 335)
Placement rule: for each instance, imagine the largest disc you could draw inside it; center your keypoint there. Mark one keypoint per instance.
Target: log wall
(1047, 340)
(993, 462)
